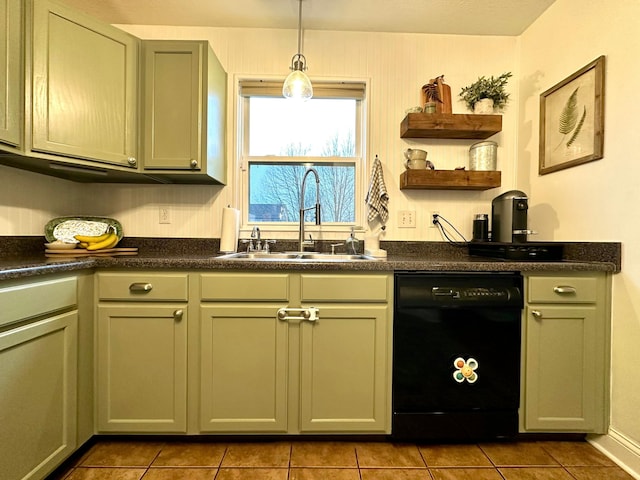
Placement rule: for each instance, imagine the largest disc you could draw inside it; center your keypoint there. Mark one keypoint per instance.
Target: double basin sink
(295, 257)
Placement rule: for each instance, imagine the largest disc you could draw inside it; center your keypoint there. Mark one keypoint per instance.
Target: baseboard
(621, 449)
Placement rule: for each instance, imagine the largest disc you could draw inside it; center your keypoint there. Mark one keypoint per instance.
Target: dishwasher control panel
(453, 290)
(470, 292)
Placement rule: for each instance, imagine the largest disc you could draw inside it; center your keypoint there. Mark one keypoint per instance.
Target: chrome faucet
(302, 242)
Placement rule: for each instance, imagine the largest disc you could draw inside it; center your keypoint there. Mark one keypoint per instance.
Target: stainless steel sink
(295, 257)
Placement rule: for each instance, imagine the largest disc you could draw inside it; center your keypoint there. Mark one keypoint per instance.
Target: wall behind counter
(396, 66)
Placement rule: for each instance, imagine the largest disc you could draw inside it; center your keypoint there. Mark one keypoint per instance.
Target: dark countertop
(24, 257)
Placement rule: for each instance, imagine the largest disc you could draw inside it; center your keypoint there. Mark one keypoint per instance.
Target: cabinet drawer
(143, 287)
(32, 299)
(568, 289)
(344, 288)
(245, 286)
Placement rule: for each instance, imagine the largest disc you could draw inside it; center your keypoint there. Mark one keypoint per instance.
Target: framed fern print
(572, 120)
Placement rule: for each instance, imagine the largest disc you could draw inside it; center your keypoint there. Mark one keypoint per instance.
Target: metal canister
(481, 227)
(483, 156)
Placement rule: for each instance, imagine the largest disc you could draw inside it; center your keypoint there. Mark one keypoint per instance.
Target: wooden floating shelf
(450, 179)
(450, 125)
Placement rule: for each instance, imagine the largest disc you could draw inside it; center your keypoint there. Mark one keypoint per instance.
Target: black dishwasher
(456, 355)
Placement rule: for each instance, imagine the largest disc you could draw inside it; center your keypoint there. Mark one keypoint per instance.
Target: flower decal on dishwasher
(465, 370)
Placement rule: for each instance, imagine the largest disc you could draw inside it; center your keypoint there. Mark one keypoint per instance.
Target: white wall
(28, 201)
(396, 65)
(597, 200)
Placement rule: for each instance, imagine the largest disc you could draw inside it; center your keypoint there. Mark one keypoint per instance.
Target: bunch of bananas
(99, 242)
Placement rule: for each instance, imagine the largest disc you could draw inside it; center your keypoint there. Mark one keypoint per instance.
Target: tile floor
(339, 460)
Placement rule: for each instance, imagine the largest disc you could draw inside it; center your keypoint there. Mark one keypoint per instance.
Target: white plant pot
(483, 106)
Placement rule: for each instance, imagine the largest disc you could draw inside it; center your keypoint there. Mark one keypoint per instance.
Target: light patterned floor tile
(252, 474)
(384, 455)
(168, 473)
(190, 454)
(535, 473)
(517, 454)
(454, 456)
(599, 473)
(465, 474)
(268, 454)
(577, 454)
(324, 474)
(323, 454)
(106, 473)
(122, 454)
(395, 474)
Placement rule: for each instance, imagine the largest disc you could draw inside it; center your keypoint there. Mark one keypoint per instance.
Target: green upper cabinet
(183, 118)
(11, 92)
(80, 100)
(84, 82)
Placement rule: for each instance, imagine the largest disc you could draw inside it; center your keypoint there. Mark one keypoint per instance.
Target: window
(282, 138)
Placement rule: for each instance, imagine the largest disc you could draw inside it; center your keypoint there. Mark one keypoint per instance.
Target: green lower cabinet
(244, 357)
(38, 363)
(343, 374)
(268, 368)
(142, 368)
(566, 351)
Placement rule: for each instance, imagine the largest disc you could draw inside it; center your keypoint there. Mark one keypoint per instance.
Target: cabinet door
(172, 104)
(564, 388)
(84, 86)
(11, 98)
(243, 369)
(38, 365)
(142, 368)
(344, 371)
(184, 112)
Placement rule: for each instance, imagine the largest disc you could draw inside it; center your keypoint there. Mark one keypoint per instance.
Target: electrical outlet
(164, 214)
(407, 219)
(431, 216)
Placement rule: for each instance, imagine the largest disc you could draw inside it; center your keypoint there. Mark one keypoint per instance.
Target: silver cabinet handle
(140, 287)
(564, 290)
(132, 161)
(178, 314)
(537, 314)
(310, 314)
(194, 163)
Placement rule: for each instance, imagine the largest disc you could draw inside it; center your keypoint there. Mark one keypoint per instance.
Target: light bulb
(297, 86)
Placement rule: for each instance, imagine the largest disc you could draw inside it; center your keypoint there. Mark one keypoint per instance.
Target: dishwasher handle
(445, 292)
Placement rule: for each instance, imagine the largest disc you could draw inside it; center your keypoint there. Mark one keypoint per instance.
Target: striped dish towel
(377, 197)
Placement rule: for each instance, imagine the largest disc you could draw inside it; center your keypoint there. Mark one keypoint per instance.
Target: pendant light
(297, 85)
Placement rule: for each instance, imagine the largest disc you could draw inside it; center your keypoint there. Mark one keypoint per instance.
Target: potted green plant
(486, 91)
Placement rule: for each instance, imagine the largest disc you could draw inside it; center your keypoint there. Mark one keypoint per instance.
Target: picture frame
(572, 120)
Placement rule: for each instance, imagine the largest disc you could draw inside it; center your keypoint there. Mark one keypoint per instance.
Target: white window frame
(288, 230)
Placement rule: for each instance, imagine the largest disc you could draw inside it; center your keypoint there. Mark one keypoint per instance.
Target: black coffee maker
(509, 217)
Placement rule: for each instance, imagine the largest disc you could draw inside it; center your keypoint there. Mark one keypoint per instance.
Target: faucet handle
(249, 243)
(333, 247)
(309, 242)
(266, 245)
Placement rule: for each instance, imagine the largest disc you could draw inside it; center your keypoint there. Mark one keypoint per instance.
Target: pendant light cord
(299, 26)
